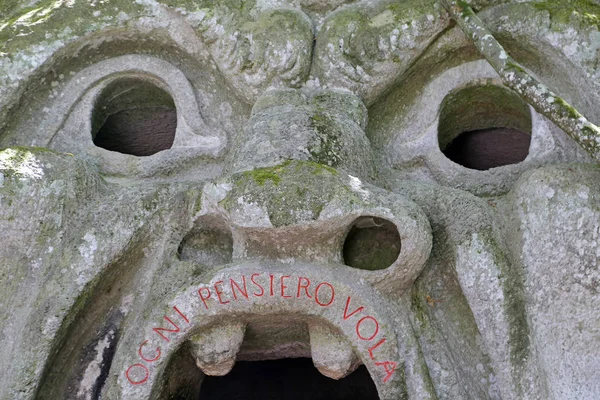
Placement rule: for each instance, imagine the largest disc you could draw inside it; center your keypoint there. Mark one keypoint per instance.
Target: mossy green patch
(567, 108)
(561, 11)
(408, 11)
(320, 168)
(515, 67)
(60, 20)
(262, 175)
(288, 192)
(466, 10)
(591, 131)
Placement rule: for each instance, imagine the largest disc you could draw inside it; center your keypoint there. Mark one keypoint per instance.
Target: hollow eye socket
(484, 126)
(372, 244)
(134, 116)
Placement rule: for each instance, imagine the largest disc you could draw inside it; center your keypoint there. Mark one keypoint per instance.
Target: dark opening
(208, 244)
(372, 243)
(287, 379)
(134, 116)
(484, 126)
(489, 148)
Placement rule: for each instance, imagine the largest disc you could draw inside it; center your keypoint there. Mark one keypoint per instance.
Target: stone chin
(197, 195)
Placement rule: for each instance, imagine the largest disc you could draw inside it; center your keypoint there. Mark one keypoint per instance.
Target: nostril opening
(208, 244)
(372, 244)
(134, 116)
(484, 126)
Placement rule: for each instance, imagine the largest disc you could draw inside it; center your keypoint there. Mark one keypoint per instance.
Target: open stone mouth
(268, 335)
(274, 362)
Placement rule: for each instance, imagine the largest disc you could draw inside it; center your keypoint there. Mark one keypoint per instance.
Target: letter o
(358, 328)
(317, 294)
(137, 382)
(158, 353)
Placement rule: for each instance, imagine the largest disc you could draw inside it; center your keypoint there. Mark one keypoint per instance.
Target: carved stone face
(186, 186)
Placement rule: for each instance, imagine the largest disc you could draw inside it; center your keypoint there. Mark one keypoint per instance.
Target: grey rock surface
(304, 203)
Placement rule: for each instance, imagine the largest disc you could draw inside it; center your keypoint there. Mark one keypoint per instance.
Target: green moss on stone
(571, 112)
(591, 131)
(467, 11)
(320, 168)
(408, 11)
(262, 175)
(561, 11)
(516, 67)
(289, 192)
(56, 20)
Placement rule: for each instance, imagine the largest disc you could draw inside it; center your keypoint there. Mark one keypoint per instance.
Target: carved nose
(300, 211)
(326, 128)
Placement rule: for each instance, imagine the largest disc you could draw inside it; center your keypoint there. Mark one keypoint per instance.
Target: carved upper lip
(348, 324)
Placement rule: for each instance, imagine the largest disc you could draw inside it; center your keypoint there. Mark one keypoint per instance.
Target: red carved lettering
(137, 382)
(262, 290)
(359, 323)
(148, 359)
(317, 294)
(202, 297)
(182, 316)
(283, 287)
(158, 330)
(219, 292)
(271, 278)
(371, 349)
(305, 287)
(243, 292)
(389, 367)
(346, 315)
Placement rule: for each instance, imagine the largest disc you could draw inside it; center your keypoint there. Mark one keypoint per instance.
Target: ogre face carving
(189, 185)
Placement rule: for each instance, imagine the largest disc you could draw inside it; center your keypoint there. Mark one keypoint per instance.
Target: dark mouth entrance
(287, 379)
(273, 363)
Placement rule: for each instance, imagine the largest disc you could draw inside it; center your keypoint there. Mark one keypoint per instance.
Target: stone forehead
(362, 46)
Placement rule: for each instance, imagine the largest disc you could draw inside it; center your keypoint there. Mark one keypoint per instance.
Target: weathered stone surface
(216, 349)
(557, 216)
(302, 205)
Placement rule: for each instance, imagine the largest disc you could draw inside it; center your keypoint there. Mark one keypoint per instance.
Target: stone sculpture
(187, 184)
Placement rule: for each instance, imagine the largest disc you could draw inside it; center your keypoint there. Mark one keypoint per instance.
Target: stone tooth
(332, 354)
(215, 349)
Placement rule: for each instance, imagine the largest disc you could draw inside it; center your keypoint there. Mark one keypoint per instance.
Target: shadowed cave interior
(286, 379)
(484, 126)
(134, 116)
(489, 148)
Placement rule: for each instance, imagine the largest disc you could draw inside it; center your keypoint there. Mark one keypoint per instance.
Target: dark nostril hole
(209, 244)
(134, 116)
(484, 126)
(372, 243)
